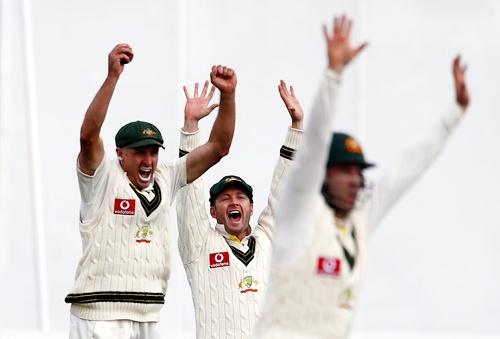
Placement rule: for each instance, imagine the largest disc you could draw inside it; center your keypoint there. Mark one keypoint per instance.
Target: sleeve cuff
(189, 141)
(453, 117)
(333, 75)
(293, 138)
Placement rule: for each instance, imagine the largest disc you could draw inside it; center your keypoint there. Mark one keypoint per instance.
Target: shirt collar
(222, 230)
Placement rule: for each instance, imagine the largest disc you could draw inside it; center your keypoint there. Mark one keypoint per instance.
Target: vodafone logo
(328, 266)
(218, 259)
(124, 206)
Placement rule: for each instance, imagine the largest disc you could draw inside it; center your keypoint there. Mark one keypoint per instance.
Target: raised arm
(192, 217)
(298, 199)
(415, 160)
(91, 145)
(221, 136)
(266, 220)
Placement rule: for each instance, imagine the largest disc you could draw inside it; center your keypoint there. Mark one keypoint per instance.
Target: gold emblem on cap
(148, 132)
(352, 146)
(230, 179)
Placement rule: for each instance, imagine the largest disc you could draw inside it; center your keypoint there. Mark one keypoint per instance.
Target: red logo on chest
(328, 266)
(125, 206)
(219, 259)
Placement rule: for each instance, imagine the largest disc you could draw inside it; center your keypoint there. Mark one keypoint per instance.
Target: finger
(205, 88)
(348, 28)
(325, 32)
(195, 90)
(360, 48)
(292, 92)
(186, 93)
(336, 25)
(282, 89)
(211, 93)
(212, 107)
(456, 64)
(342, 24)
(124, 59)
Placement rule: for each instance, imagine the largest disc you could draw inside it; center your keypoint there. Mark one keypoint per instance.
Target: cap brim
(233, 183)
(368, 165)
(145, 142)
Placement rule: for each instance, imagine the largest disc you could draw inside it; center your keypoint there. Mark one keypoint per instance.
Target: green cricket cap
(227, 181)
(138, 134)
(344, 149)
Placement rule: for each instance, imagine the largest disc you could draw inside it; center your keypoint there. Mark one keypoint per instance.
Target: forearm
(287, 152)
(222, 132)
(97, 110)
(301, 190)
(410, 165)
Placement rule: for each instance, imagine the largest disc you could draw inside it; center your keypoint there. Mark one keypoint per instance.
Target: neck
(241, 234)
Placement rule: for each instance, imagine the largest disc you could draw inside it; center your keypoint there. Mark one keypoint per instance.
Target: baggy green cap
(230, 180)
(344, 149)
(138, 134)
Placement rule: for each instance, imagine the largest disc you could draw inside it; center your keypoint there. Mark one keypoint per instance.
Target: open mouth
(145, 173)
(234, 215)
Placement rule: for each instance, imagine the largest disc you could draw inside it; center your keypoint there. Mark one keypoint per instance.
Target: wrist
(190, 125)
(112, 78)
(228, 95)
(298, 124)
(336, 67)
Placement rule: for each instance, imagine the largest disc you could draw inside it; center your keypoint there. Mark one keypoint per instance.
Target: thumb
(212, 107)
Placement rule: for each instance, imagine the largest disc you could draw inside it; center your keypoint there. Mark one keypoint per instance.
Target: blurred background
(432, 268)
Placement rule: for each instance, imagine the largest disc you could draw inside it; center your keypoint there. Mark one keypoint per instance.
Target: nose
(355, 179)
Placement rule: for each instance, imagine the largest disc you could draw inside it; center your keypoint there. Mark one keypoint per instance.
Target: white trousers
(111, 329)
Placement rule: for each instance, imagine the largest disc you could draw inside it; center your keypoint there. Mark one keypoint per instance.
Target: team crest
(345, 298)
(148, 132)
(352, 146)
(144, 234)
(248, 284)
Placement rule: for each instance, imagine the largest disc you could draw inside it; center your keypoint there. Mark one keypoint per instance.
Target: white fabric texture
(111, 329)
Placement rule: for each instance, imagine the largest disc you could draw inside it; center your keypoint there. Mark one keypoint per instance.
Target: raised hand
(197, 106)
(224, 78)
(120, 55)
(340, 51)
(292, 104)
(461, 91)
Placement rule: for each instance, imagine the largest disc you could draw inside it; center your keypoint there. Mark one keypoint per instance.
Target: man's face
(343, 183)
(233, 209)
(139, 164)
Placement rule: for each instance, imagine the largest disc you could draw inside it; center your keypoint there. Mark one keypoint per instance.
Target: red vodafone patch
(124, 206)
(328, 266)
(219, 259)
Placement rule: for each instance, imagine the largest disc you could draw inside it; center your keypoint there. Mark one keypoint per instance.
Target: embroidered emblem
(328, 266)
(228, 179)
(124, 206)
(219, 259)
(144, 234)
(345, 298)
(352, 146)
(148, 132)
(248, 284)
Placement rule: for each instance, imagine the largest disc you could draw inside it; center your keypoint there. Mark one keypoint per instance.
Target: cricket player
(321, 233)
(227, 265)
(123, 274)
